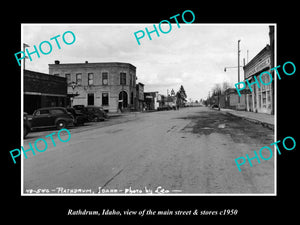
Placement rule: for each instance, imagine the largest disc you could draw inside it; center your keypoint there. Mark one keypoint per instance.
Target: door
(90, 99)
(123, 97)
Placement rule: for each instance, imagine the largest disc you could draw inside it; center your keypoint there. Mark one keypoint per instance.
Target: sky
(193, 55)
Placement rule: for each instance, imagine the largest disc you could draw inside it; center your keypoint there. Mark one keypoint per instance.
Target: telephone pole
(239, 68)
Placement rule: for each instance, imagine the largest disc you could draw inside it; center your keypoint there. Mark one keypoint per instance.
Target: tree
(181, 96)
(182, 92)
(172, 92)
(217, 90)
(225, 85)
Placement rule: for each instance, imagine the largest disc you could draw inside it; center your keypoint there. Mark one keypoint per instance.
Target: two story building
(111, 85)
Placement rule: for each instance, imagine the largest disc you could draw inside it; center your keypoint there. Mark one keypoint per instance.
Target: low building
(43, 90)
(161, 100)
(232, 100)
(151, 100)
(260, 99)
(111, 85)
(171, 100)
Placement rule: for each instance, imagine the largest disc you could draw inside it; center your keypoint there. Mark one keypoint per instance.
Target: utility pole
(239, 67)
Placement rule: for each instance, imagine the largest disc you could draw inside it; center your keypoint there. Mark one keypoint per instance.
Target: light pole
(24, 46)
(239, 67)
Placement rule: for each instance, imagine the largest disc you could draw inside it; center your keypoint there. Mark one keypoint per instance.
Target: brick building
(111, 85)
(43, 90)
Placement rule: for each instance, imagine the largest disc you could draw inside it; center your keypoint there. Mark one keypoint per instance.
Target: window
(78, 78)
(104, 78)
(68, 76)
(264, 99)
(104, 98)
(56, 111)
(90, 79)
(122, 78)
(42, 112)
(90, 99)
(131, 81)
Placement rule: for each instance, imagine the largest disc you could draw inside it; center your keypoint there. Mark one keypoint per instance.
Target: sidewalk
(266, 120)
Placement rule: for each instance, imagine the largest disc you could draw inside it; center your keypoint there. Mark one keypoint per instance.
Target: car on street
(26, 124)
(164, 108)
(214, 106)
(46, 117)
(88, 115)
(79, 118)
(97, 113)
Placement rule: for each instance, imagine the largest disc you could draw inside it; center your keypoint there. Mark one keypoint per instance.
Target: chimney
(86, 62)
(56, 62)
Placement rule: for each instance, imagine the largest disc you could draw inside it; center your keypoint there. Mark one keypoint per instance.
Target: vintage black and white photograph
(171, 108)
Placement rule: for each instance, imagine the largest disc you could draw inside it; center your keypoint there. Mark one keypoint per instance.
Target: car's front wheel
(61, 124)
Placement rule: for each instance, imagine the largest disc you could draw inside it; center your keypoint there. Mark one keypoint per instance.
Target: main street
(188, 151)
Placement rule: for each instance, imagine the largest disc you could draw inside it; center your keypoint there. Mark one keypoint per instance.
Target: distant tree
(172, 92)
(182, 92)
(225, 85)
(181, 96)
(217, 91)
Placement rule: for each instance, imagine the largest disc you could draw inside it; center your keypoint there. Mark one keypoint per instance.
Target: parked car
(215, 107)
(88, 115)
(57, 117)
(26, 125)
(98, 114)
(164, 108)
(79, 118)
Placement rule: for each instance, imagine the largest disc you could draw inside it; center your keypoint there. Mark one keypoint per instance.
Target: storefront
(261, 98)
(43, 90)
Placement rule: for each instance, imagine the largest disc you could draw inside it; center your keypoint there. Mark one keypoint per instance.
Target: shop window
(264, 99)
(90, 99)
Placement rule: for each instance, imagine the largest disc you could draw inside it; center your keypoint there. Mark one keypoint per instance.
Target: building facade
(43, 90)
(151, 100)
(110, 85)
(140, 96)
(231, 99)
(261, 99)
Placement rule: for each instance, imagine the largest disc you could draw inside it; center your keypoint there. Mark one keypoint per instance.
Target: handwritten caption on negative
(102, 190)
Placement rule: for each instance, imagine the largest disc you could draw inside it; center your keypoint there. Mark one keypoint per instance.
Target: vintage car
(57, 117)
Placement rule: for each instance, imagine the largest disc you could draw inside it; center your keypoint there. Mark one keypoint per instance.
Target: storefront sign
(263, 64)
(265, 72)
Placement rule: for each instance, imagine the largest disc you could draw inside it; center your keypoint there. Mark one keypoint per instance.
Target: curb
(264, 124)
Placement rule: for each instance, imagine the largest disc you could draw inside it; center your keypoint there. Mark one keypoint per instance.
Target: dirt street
(190, 151)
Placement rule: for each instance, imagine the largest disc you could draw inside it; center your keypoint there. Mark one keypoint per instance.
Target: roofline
(93, 63)
(265, 49)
